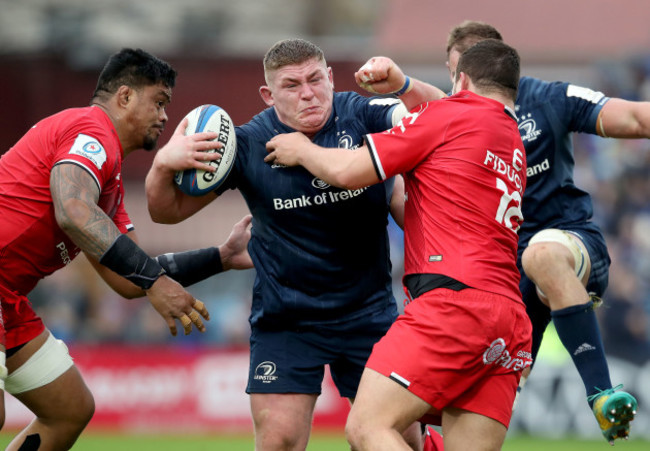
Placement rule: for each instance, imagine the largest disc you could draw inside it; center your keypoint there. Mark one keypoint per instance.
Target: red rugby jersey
(464, 168)
(31, 243)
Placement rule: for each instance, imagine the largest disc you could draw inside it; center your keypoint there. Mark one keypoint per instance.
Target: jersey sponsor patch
(89, 147)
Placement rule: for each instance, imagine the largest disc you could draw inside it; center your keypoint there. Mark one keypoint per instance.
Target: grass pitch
(93, 441)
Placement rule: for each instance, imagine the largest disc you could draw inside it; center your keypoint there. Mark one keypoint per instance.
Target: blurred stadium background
(146, 381)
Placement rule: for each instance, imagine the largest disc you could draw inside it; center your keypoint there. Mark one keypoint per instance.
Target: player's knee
(83, 411)
(355, 432)
(280, 435)
(537, 258)
(553, 249)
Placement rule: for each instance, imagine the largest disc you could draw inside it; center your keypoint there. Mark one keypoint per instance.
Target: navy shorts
(293, 360)
(538, 312)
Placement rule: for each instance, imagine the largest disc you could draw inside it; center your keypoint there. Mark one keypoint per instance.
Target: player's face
(302, 95)
(147, 115)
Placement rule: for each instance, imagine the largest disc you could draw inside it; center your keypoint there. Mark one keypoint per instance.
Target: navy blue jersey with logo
(321, 253)
(548, 112)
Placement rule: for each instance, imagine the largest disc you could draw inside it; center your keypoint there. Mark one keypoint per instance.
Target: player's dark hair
(135, 68)
(468, 33)
(492, 65)
(291, 51)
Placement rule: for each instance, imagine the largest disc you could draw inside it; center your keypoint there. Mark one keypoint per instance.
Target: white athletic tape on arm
(398, 113)
(45, 366)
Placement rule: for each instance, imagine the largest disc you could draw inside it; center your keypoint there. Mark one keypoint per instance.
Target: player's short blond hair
(288, 52)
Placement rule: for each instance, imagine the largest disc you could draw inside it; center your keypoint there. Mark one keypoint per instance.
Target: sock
(578, 330)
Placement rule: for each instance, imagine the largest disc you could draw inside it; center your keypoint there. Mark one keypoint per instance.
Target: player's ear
(267, 95)
(330, 75)
(123, 95)
(464, 81)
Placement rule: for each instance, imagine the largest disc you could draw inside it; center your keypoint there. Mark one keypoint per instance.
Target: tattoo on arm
(75, 194)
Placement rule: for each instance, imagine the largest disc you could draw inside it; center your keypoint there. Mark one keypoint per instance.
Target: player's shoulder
(261, 125)
(536, 88)
(66, 125)
(556, 93)
(354, 99)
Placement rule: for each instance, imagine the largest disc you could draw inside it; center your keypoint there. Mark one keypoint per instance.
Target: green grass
(93, 441)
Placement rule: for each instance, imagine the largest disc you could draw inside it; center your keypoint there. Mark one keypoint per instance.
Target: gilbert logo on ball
(209, 118)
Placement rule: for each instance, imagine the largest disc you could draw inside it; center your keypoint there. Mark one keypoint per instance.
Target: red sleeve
(93, 149)
(406, 145)
(122, 219)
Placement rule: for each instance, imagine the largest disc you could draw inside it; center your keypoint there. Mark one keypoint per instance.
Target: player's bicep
(75, 193)
(70, 186)
(624, 119)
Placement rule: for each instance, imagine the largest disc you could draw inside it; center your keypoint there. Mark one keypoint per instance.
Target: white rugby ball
(209, 118)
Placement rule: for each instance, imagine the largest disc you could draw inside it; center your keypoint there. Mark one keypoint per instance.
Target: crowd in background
(78, 307)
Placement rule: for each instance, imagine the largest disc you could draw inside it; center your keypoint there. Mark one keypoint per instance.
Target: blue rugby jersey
(547, 113)
(321, 253)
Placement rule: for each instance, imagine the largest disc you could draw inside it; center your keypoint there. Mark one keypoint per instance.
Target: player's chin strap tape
(129, 261)
(190, 267)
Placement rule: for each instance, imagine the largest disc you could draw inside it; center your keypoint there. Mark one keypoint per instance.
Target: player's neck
(118, 124)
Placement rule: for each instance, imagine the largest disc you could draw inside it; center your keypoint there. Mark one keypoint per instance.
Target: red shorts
(463, 349)
(21, 324)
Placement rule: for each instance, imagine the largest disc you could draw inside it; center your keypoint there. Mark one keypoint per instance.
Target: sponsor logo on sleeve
(88, 147)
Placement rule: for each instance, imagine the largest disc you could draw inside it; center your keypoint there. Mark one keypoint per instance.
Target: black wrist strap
(129, 261)
(190, 267)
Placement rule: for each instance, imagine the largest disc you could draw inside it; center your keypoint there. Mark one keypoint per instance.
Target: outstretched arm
(189, 267)
(345, 168)
(380, 75)
(75, 195)
(167, 204)
(624, 119)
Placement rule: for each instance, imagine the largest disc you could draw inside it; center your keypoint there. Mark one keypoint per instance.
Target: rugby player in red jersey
(456, 354)
(62, 193)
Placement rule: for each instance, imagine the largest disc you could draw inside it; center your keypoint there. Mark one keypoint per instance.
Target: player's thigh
(463, 430)
(276, 411)
(43, 377)
(67, 398)
(382, 402)
(354, 343)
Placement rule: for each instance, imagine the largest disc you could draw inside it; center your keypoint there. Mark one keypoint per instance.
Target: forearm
(190, 267)
(163, 199)
(343, 168)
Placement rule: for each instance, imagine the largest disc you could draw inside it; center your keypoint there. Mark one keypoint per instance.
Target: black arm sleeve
(190, 267)
(129, 261)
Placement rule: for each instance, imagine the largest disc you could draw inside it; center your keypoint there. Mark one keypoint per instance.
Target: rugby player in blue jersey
(323, 288)
(563, 257)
